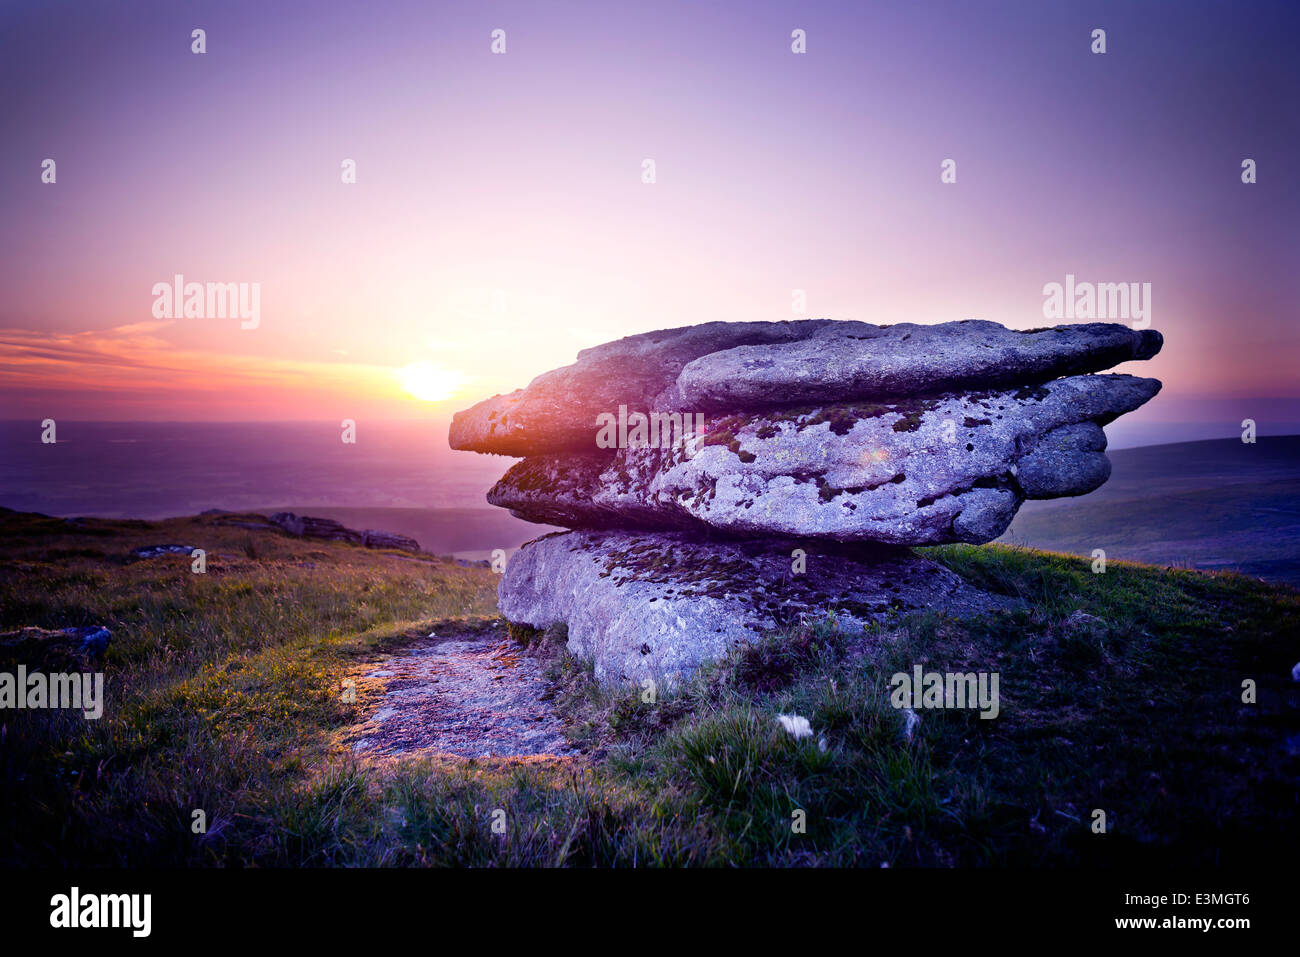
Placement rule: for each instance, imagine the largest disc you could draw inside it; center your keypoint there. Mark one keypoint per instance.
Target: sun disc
(428, 382)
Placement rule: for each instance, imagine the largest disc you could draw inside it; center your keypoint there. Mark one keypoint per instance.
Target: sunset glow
(498, 222)
(427, 382)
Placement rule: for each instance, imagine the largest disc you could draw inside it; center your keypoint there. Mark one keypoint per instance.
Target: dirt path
(462, 692)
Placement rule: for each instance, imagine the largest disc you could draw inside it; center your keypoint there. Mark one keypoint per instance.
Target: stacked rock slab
(773, 471)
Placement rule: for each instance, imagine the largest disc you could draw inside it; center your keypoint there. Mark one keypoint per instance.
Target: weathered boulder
(919, 471)
(308, 526)
(377, 538)
(812, 453)
(905, 359)
(658, 604)
(735, 366)
(154, 551)
(54, 650)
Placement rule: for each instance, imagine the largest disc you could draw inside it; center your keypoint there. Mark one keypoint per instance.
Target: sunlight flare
(426, 381)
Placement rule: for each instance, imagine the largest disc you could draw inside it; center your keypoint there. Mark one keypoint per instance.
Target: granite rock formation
(739, 445)
(725, 366)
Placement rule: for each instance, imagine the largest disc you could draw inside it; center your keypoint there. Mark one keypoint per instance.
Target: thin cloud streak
(127, 367)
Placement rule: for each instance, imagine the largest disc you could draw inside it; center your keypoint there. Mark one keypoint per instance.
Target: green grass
(223, 695)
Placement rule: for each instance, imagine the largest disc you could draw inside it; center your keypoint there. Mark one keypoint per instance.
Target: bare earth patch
(465, 692)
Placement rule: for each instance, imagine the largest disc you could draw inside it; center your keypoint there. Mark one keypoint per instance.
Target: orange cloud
(135, 371)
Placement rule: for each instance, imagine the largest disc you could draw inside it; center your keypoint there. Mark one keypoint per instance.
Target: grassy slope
(223, 695)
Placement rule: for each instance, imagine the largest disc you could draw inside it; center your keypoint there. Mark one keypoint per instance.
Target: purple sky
(499, 222)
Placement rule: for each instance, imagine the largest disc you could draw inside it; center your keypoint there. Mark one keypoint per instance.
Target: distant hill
(1215, 505)
(1219, 504)
(471, 533)
(1211, 504)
